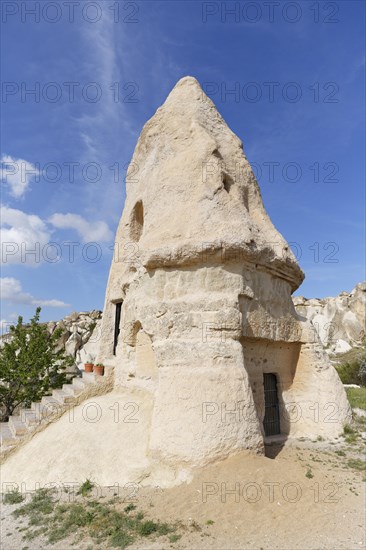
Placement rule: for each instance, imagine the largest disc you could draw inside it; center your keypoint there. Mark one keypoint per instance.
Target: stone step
(89, 377)
(63, 397)
(72, 389)
(49, 400)
(17, 426)
(47, 407)
(7, 437)
(79, 383)
(83, 382)
(44, 412)
(29, 417)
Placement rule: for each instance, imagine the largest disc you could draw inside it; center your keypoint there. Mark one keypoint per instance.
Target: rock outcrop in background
(340, 321)
(81, 335)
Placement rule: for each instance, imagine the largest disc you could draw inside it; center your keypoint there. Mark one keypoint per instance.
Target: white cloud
(17, 174)
(88, 231)
(22, 233)
(11, 291)
(24, 237)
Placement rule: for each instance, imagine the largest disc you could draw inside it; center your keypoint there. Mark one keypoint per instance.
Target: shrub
(30, 365)
(85, 488)
(13, 497)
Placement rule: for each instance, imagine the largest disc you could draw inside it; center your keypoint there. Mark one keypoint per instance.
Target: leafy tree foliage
(31, 364)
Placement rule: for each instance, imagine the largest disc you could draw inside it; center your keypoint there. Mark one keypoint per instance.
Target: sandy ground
(255, 503)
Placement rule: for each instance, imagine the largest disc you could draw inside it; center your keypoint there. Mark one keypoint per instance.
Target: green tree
(30, 364)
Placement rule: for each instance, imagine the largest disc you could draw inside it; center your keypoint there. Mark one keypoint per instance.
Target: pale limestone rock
(73, 344)
(204, 275)
(74, 316)
(339, 321)
(341, 346)
(51, 325)
(81, 335)
(95, 314)
(89, 350)
(204, 281)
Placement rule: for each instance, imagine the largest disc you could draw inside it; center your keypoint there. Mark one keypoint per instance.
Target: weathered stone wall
(179, 339)
(200, 339)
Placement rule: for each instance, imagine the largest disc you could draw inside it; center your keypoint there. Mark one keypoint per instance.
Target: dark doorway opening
(271, 422)
(117, 321)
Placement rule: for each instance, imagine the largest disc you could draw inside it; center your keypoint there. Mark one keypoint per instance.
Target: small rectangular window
(117, 321)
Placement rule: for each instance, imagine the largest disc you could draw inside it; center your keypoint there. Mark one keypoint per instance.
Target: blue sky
(308, 133)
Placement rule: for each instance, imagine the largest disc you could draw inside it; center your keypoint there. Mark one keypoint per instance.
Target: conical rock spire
(192, 196)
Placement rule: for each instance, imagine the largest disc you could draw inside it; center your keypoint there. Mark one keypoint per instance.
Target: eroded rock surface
(340, 321)
(203, 284)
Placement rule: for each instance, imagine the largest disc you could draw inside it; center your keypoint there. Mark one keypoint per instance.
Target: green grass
(102, 522)
(340, 453)
(130, 507)
(13, 497)
(41, 505)
(357, 464)
(351, 439)
(85, 488)
(350, 434)
(174, 538)
(357, 397)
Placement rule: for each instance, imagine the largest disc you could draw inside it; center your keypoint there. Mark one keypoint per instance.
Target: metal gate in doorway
(271, 420)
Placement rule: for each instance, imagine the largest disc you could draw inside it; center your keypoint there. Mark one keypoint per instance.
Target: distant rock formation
(340, 321)
(81, 335)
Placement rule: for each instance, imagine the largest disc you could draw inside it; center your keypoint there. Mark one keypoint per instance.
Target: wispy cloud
(88, 231)
(11, 291)
(17, 174)
(100, 125)
(24, 236)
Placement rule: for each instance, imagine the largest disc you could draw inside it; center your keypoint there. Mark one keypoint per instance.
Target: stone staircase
(27, 422)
